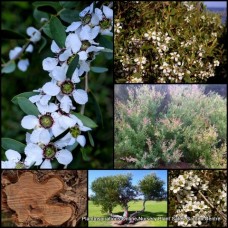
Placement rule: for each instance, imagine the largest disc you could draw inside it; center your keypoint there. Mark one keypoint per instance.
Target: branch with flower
(55, 121)
(195, 199)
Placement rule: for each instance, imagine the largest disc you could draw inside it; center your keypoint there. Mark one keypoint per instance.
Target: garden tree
(112, 191)
(152, 187)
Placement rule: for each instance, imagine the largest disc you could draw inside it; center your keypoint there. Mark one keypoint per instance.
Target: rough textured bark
(45, 198)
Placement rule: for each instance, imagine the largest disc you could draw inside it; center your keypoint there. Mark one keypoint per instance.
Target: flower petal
(46, 164)
(51, 89)
(49, 63)
(54, 47)
(108, 12)
(59, 73)
(64, 157)
(29, 48)
(8, 164)
(34, 34)
(80, 96)
(73, 42)
(29, 122)
(40, 135)
(13, 53)
(23, 64)
(65, 55)
(81, 140)
(66, 104)
(73, 26)
(82, 55)
(75, 77)
(13, 155)
(44, 99)
(35, 98)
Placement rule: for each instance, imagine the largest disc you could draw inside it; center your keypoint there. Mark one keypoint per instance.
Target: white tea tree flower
(42, 154)
(13, 161)
(74, 135)
(35, 35)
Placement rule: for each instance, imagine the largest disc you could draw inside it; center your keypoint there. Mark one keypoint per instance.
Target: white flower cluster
(35, 36)
(193, 206)
(55, 100)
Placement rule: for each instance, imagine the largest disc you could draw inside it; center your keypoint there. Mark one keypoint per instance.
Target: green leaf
(25, 94)
(90, 139)
(85, 153)
(12, 144)
(9, 67)
(55, 164)
(69, 5)
(46, 6)
(105, 41)
(47, 31)
(38, 15)
(107, 50)
(85, 120)
(69, 16)
(43, 44)
(11, 35)
(99, 118)
(58, 31)
(99, 69)
(72, 66)
(27, 106)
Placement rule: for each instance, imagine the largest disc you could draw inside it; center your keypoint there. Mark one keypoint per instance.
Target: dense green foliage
(163, 42)
(180, 124)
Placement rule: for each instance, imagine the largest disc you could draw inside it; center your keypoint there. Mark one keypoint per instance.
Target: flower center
(85, 45)
(19, 165)
(75, 131)
(67, 87)
(86, 19)
(46, 121)
(49, 151)
(105, 23)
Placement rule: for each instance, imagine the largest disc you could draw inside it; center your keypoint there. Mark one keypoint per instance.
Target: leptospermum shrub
(166, 42)
(55, 121)
(198, 198)
(179, 126)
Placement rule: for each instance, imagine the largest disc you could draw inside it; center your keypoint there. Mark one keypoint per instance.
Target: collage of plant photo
(114, 114)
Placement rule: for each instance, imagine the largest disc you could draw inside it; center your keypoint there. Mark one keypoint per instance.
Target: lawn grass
(153, 210)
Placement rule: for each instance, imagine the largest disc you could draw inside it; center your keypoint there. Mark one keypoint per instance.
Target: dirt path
(138, 224)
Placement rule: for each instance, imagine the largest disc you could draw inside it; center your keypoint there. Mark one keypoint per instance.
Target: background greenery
(17, 16)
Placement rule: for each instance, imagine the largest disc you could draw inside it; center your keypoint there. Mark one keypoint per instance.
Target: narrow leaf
(99, 69)
(90, 139)
(25, 94)
(58, 31)
(72, 66)
(47, 31)
(52, 4)
(9, 67)
(12, 144)
(107, 50)
(27, 106)
(69, 4)
(38, 15)
(69, 16)
(85, 120)
(85, 153)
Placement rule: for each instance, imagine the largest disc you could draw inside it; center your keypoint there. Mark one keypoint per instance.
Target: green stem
(86, 89)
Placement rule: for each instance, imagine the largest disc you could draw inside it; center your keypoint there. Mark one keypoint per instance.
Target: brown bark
(45, 198)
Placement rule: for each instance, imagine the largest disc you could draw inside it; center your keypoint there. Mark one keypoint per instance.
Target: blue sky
(218, 4)
(137, 175)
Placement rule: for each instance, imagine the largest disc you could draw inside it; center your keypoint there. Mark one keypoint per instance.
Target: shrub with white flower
(183, 35)
(198, 198)
(55, 118)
